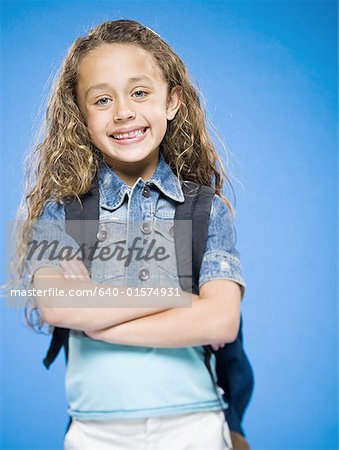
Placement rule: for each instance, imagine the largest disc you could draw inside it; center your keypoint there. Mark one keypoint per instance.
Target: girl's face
(121, 90)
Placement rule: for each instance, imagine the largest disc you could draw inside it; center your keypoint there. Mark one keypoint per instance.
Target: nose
(123, 110)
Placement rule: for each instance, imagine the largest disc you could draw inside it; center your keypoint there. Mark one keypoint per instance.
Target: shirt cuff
(222, 266)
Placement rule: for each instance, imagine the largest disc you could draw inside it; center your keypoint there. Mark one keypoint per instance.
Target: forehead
(118, 62)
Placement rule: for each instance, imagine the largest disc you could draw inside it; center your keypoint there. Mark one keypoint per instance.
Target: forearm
(80, 314)
(178, 327)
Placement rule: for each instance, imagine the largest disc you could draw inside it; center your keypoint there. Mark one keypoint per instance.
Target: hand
(100, 335)
(217, 346)
(75, 270)
(239, 442)
(92, 334)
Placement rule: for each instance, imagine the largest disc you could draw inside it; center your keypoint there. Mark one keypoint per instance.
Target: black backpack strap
(196, 208)
(81, 225)
(233, 370)
(59, 340)
(82, 220)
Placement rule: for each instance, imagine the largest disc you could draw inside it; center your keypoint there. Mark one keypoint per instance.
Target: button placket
(146, 192)
(102, 233)
(146, 228)
(143, 274)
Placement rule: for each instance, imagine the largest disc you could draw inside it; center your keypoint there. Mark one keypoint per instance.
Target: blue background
(268, 72)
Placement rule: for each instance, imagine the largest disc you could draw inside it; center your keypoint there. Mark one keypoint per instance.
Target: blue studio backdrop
(268, 72)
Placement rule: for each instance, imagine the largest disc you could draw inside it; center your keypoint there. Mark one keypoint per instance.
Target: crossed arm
(213, 318)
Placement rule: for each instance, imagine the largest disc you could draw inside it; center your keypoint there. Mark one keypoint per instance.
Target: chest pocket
(107, 265)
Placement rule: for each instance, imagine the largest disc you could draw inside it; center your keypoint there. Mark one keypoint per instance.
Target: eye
(140, 92)
(101, 101)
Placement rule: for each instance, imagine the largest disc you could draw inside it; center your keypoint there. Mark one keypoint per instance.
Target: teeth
(132, 134)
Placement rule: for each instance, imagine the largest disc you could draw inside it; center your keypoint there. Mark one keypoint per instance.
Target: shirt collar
(113, 189)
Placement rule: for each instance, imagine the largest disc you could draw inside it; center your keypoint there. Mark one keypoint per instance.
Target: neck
(129, 172)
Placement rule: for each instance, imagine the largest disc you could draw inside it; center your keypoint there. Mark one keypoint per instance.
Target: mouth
(132, 136)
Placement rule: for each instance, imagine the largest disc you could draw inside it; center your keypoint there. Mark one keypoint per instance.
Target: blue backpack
(233, 370)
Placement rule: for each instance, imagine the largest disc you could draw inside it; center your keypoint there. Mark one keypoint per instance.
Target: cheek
(95, 123)
(96, 131)
(157, 117)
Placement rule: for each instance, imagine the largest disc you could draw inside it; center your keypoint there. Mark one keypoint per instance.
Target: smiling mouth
(132, 135)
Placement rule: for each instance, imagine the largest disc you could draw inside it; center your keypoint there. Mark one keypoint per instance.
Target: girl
(124, 110)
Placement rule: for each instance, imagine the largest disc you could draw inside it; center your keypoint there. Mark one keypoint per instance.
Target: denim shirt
(105, 381)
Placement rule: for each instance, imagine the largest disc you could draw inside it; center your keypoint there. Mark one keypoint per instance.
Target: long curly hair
(65, 162)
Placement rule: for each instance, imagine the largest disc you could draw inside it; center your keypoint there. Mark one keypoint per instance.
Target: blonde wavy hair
(65, 162)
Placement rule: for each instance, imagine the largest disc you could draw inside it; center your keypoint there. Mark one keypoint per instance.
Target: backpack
(235, 379)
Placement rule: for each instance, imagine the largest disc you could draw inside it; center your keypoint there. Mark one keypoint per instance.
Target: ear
(173, 102)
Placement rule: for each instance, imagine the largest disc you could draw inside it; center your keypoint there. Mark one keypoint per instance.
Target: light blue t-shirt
(120, 381)
(105, 381)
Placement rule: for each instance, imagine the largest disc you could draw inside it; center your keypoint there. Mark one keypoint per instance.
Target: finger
(75, 270)
(67, 268)
(82, 269)
(89, 334)
(215, 347)
(78, 271)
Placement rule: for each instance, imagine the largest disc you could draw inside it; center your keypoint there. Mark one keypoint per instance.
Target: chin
(128, 156)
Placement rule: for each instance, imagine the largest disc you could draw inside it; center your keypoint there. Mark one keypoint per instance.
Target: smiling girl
(124, 111)
(127, 115)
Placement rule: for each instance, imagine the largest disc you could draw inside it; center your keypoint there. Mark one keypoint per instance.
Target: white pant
(192, 431)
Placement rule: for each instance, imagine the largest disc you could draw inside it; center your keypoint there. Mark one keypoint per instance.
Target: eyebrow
(100, 86)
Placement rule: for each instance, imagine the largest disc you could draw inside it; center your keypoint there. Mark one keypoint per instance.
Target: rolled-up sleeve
(221, 259)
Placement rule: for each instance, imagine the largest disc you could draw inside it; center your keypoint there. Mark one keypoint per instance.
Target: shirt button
(171, 231)
(146, 228)
(101, 235)
(143, 274)
(146, 192)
